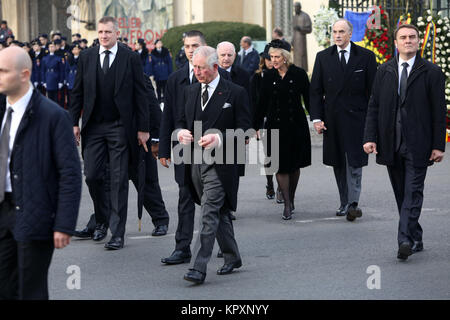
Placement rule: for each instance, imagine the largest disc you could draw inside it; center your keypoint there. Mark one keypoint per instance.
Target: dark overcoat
(45, 171)
(340, 100)
(425, 108)
(281, 103)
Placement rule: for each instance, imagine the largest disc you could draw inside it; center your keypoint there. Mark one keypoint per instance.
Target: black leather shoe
(195, 276)
(160, 231)
(101, 230)
(220, 254)
(84, 234)
(343, 210)
(404, 251)
(417, 246)
(270, 193)
(354, 212)
(232, 216)
(115, 243)
(229, 267)
(177, 257)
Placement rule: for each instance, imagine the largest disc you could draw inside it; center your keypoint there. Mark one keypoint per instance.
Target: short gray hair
(349, 24)
(209, 53)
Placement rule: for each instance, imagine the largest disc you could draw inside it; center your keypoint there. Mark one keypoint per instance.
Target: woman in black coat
(255, 92)
(280, 102)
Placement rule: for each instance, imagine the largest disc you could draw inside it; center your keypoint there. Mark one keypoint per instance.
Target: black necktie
(205, 95)
(4, 153)
(403, 81)
(343, 62)
(106, 62)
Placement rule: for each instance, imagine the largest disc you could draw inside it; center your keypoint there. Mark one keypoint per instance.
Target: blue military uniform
(52, 74)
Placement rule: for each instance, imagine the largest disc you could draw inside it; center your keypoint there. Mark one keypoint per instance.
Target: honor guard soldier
(52, 73)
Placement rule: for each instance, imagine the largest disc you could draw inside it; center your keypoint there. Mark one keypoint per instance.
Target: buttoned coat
(340, 98)
(281, 103)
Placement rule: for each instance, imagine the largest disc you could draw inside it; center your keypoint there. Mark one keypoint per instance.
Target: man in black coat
(173, 107)
(227, 61)
(110, 89)
(340, 89)
(40, 180)
(152, 197)
(218, 106)
(405, 128)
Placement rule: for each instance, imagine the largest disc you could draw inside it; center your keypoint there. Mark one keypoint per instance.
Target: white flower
(447, 91)
(447, 74)
(429, 11)
(429, 19)
(443, 65)
(440, 21)
(438, 30)
(437, 51)
(438, 59)
(420, 19)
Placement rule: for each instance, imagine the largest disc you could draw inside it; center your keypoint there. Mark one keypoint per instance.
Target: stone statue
(302, 26)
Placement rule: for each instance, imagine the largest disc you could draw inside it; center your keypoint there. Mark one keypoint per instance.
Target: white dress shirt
(408, 69)
(346, 56)
(191, 72)
(211, 88)
(112, 55)
(16, 117)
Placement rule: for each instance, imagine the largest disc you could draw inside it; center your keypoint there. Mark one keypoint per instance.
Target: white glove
(35, 84)
(60, 85)
(45, 85)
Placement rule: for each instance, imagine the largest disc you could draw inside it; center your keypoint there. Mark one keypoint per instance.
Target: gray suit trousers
(215, 220)
(348, 180)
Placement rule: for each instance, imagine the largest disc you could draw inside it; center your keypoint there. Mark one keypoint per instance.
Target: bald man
(40, 180)
(227, 61)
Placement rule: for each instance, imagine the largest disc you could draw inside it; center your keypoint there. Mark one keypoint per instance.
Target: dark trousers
(186, 214)
(408, 184)
(53, 95)
(215, 221)
(23, 265)
(153, 200)
(107, 142)
(160, 87)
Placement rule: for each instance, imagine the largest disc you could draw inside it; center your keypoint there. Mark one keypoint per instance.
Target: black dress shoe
(232, 216)
(220, 254)
(229, 267)
(160, 231)
(115, 243)
(101, 230)
(83, 234)
(270, 193)
(177, 257)
(417, 246)
(343, 210)
(404, 251)
(195, 276)
(354, 212)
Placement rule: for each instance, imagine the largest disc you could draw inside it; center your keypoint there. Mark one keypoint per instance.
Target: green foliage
(214, 32)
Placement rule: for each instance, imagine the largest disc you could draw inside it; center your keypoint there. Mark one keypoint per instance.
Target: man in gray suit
(219, 106)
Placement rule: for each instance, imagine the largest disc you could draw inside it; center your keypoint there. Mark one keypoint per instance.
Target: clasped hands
(207, 141)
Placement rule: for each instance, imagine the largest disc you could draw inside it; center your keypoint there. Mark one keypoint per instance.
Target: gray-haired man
(218, 105)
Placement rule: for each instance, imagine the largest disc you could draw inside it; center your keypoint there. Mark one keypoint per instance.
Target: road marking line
(316, 220)
(152, 237)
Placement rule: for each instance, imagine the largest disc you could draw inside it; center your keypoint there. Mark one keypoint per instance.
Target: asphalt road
(316, 255)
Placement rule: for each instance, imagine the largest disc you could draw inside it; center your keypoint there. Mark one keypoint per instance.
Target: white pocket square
(226, 105)
(360, 70)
